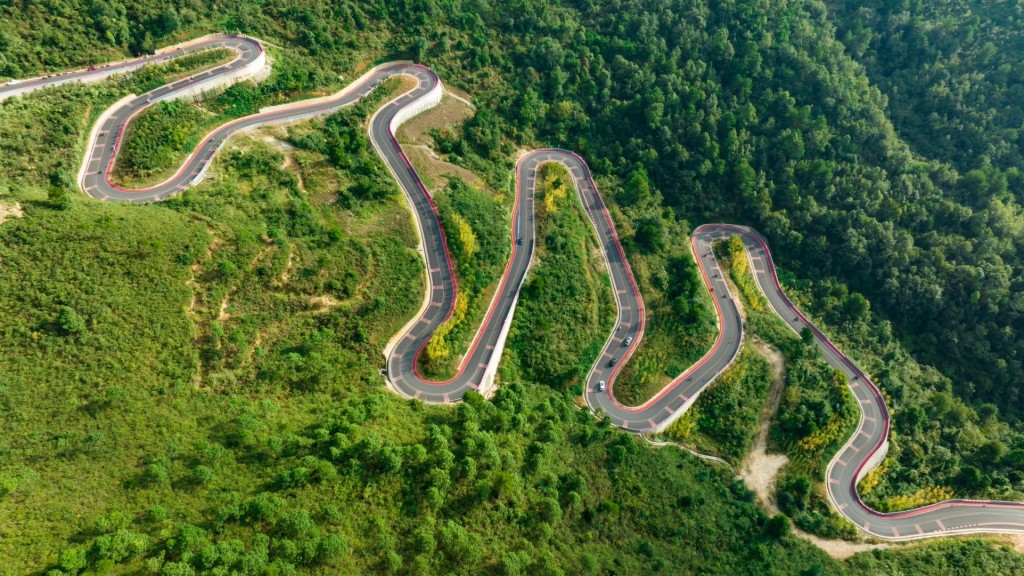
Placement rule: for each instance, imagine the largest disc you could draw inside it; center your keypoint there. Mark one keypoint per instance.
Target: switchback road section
(863, 450)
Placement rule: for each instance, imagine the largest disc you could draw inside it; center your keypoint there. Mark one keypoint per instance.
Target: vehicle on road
(403, 377)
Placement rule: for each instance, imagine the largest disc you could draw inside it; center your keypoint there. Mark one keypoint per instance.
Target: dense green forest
(193, 387)
(953, 74)
(252, 432)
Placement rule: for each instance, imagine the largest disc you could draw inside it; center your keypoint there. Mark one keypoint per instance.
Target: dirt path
(707, 457)
(197, 378)
(760, 468)
(286, 273)
(290, 164)
(838, 549)
(223, 314)
(325, 303)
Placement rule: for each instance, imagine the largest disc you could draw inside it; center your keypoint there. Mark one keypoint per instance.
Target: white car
(13, 82)
(600, 386)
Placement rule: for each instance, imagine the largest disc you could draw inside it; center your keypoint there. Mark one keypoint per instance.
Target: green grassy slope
(209, 399)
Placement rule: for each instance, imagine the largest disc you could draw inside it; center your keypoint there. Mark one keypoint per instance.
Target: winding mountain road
(862, 452)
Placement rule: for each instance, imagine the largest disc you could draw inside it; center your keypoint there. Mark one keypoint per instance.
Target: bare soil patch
(322, 303)
(275, 136)
(10, 210)
(760, 468)
(447, 115)
(415, 137)
(838, 549)
(436, 172)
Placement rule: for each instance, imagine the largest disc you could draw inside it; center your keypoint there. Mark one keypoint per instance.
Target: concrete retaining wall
(94, 133)
(874, 461)
(422, 104)
(109, 69)
(487, 386)
(189, 43)
(256, 71)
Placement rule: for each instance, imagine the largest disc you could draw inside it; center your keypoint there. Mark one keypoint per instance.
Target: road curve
(862, 451)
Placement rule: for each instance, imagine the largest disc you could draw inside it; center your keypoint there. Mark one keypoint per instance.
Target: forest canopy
(234, 419)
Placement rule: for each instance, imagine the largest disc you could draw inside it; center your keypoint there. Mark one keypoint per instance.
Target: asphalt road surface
(862, 450)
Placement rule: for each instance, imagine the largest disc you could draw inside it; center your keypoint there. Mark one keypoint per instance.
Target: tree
(778, 526)
(418, 48)
(177, 569)
(202, 475)
(855, 306)
(990, 453)
(638, 187)
(424, 541)
(73, 560)
(109, 19)
(971, 479)
(166, 22)
(58, 197)
(550, 511)
(69, 321)
(156, 473)
(330, 548)
(650, 234)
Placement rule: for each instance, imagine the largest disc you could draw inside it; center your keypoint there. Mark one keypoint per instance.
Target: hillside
(194, 386)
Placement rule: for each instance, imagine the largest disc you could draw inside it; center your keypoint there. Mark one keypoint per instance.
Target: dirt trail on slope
(760, 468)
(838, 549)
